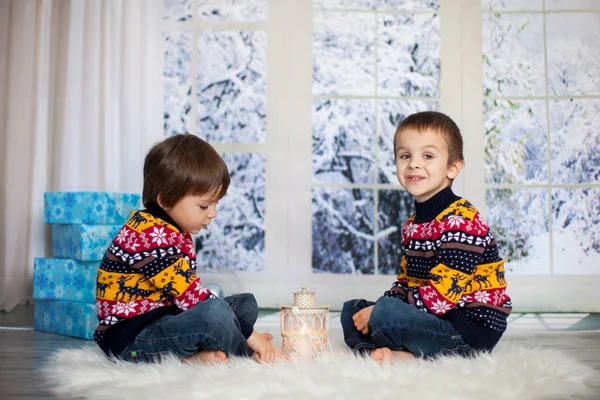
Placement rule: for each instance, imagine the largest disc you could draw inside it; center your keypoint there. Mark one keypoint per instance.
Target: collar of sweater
(429, 209)
(157, 212)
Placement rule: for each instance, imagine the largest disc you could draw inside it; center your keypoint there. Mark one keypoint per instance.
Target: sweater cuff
(246, 328)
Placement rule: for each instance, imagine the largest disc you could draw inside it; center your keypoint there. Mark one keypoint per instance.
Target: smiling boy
(450, 296)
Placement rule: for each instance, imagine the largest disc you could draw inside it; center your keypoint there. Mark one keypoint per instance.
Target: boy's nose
(212, 211)
(413, 163)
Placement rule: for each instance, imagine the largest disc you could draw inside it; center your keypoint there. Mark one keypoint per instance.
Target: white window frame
(288, 150)
(535, 293)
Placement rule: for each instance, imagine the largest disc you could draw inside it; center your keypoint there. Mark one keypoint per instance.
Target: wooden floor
(22, 352)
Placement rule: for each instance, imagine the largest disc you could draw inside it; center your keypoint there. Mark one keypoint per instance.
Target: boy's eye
(427, 156)
(204, 207)
(404, 157)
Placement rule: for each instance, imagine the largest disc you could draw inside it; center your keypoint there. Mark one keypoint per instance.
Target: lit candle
(304, 326)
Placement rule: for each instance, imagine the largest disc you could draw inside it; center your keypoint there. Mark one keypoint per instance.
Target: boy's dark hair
(182, 165)
(440, 123)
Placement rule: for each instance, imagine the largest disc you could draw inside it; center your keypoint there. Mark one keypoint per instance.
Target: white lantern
(304, 326)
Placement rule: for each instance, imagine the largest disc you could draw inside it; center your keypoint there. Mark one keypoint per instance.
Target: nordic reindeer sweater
(450, 267)
(148, 271)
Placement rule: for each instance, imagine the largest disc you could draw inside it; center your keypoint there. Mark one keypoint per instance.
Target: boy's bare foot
(384, 354)
(207, 357)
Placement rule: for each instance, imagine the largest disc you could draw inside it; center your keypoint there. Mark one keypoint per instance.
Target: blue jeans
(401, 326)
(210, 325)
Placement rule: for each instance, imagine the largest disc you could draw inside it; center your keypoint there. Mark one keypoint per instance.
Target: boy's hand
(264, 349)
(361, 319)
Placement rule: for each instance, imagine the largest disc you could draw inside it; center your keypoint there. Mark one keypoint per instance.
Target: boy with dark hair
(450, 296)
(149, 300)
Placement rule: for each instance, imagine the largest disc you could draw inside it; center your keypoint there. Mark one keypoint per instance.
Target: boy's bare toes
(208, 357)
(386, 355)
(220, 356)
(382, 354)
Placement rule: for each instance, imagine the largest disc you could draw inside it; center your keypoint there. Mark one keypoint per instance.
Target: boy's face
(193, 213)
(422, 163)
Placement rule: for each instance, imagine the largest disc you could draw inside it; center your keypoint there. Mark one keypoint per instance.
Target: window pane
(394, 208)
(513, 55)
(516, 144)
(522, 234)
(408, 5)
(231, 86)
(235, 240)
(512, 5)
(575, 141)
(576, 231)
(342, 231)
(408, 55)
(572, 5)
(177, 10)
(177, 46)
(233, 10)
(341, 4)
(573, 53)
(343, 141)
(343, 53)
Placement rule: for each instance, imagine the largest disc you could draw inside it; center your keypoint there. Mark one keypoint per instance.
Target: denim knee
(382, 313)
(213, 309)
(244, 305)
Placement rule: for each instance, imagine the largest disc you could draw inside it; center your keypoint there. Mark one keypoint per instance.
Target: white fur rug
(511, 372)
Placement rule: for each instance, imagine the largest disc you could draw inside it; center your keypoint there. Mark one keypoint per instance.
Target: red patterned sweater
(451, 268)
(148, 271)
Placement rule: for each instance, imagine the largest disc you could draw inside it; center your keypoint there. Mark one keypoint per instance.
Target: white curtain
(80, 104)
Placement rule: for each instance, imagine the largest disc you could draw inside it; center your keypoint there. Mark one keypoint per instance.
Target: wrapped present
(97, 208)
(60, 279)
(82, 242)
(70, 318)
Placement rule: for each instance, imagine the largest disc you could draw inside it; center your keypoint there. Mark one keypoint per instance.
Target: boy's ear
(161, 204)
(455, 169)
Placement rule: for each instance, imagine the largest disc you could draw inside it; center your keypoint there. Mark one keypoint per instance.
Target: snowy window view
(236, 238)
(214, 80)
(374, 63)
(231, 89)
(541, 63)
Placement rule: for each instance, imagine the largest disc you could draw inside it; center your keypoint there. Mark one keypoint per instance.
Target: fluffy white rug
(511, 372)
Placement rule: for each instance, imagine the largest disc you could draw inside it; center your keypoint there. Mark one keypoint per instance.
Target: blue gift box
(98, 208)
(60, 279)
(82, 242)
(65, 318)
